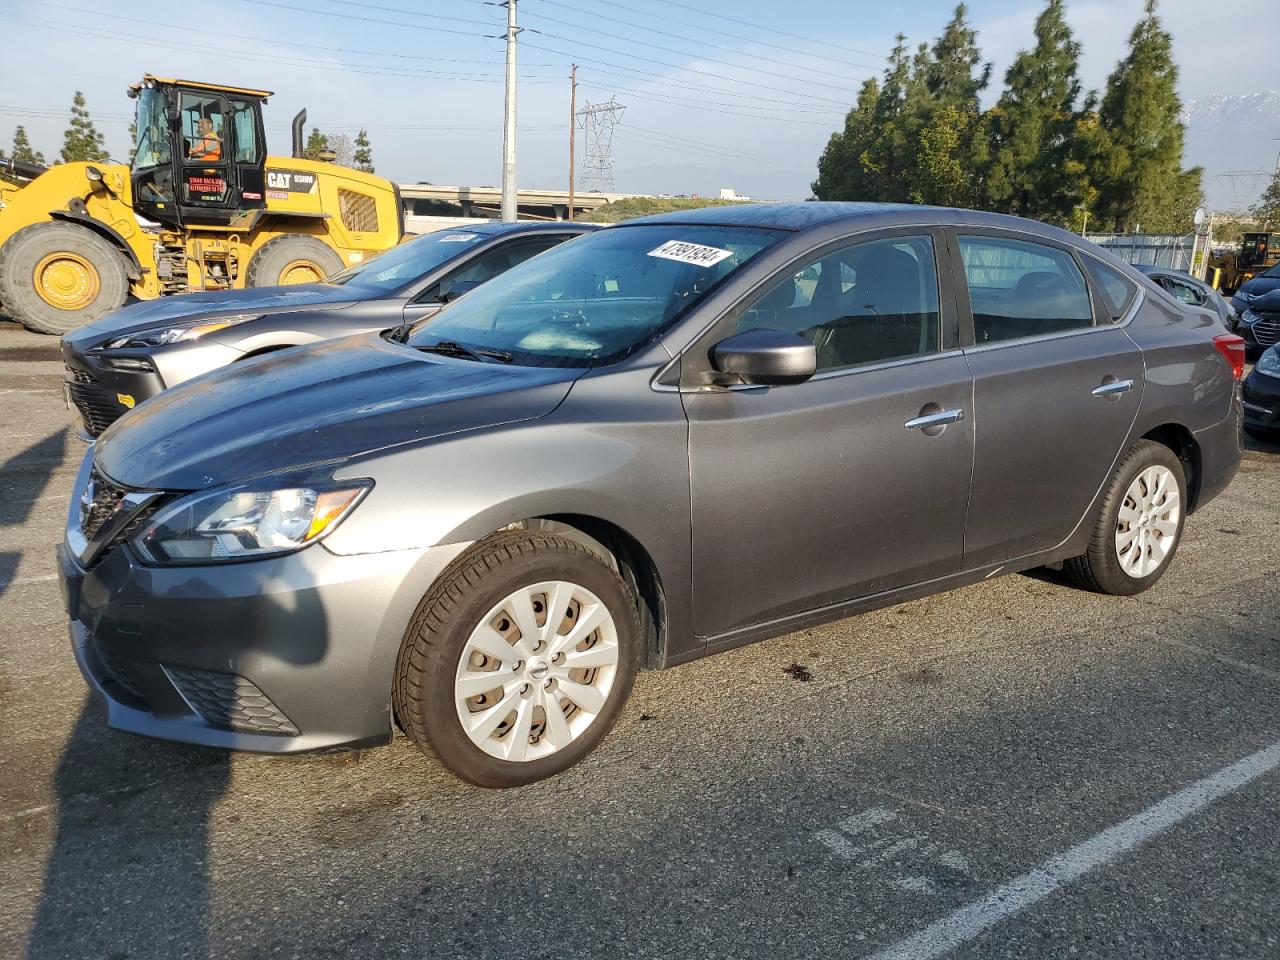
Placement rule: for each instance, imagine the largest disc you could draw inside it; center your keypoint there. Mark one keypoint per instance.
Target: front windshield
(594, 300)
(152, 147)
(408, 261)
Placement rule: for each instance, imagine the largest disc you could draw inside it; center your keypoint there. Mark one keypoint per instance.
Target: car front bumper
(1261, 397)
(101, 388)
(283, 655)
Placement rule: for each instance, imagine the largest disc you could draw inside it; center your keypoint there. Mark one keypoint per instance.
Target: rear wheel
(55, 277)
(285, 261)
(519, 660)
(1139, 524)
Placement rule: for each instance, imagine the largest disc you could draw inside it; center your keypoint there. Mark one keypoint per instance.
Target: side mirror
(459, 289)
(764, 357)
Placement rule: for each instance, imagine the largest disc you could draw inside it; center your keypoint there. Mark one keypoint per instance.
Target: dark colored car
(1193, 292)
(1261, 395)
(1260, 285)
(666, 439)
(116, 362)
(1260, 322)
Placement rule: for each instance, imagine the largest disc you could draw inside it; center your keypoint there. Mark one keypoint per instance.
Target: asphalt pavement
(1014, 769)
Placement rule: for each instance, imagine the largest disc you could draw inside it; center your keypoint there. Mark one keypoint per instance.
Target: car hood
(316, 405)
(1268, 301)
(151, 313)
(1260, 285)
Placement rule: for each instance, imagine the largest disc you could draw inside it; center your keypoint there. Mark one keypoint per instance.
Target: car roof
(494, 228)
(813, 213)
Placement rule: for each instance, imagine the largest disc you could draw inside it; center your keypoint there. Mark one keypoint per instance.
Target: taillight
(1232, 349)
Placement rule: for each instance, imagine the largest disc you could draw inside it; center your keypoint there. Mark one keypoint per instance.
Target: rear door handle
(939, 419)
(1113, 389)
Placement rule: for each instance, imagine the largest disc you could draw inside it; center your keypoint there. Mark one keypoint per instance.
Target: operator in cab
(207, 146)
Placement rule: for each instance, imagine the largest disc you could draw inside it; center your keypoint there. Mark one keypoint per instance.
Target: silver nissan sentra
(662, 440)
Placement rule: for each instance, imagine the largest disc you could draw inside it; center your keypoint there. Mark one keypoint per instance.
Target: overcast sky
(739, 94)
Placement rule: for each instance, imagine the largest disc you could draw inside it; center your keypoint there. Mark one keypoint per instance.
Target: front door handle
(1112, 389)
(939, 419)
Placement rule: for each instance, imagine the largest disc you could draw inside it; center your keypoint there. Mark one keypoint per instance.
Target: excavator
(200, 207)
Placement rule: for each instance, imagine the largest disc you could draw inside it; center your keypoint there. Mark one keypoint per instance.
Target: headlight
(178, 333)
(1269, 363)
(1249, 316)
(243, 522)
(1244, 296)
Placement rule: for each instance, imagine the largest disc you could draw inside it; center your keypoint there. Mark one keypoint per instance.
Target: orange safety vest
(208, 147)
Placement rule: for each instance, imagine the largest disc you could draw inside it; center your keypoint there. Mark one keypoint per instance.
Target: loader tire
(285, 261)
(55, 277)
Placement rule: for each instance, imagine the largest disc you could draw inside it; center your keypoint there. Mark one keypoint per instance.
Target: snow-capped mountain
(1235, 140)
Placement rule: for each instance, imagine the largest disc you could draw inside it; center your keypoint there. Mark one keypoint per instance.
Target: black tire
(1099, 568)
(268, 266)
(25, 250)
(423, 687)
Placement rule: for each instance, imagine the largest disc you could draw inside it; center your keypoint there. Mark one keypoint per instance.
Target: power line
(705, 73)
(725, 33)
(675, 66)
(224, 52)
(689, 8)
(288, 43)
(665, 33)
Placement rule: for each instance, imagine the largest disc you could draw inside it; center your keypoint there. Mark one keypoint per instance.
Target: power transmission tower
(598, 121)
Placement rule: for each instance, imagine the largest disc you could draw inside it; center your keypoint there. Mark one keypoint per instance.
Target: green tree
(22, 149)
(1032, 128)
(947, 147)
(1267, 209)
(316, 143)
(1137, 166)
(363, 156)
(82, 141)
(845, 169)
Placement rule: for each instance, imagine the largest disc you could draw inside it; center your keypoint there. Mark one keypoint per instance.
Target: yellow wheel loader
(201, 207)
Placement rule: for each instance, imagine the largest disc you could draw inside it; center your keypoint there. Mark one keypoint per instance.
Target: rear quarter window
(1117, 290)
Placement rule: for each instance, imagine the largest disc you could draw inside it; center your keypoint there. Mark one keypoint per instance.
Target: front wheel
(55, 277)
(289, 260)
(519, 660)
(1138, 526)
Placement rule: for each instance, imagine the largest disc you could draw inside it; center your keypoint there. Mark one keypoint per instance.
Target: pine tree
(363, 157)
(1032, 128)
(22, 148)
(947, 145)
(82, 141)
(1138, 171)
(317, 142)
(844, 169)
(1267, 209)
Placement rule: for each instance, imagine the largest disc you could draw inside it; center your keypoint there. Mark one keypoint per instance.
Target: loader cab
(200, 152)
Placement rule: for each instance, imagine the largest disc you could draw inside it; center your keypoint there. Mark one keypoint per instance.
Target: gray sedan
(126, 357)
(1193, 292)
(659, 441)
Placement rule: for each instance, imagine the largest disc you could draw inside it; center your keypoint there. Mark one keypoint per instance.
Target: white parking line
(970, 921)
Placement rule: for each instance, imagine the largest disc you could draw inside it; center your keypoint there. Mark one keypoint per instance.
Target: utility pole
(573, 126)
(509, 205)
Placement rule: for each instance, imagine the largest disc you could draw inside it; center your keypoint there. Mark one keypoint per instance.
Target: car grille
(231, 702)
(1267, 329)
(99, 502)
(96, 407)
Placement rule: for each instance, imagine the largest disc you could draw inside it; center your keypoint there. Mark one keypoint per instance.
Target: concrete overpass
(433, 205)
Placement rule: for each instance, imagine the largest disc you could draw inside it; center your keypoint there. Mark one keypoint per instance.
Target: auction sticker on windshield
(693, 253)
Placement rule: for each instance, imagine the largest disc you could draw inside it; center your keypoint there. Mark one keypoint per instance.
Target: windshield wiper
(451, 348)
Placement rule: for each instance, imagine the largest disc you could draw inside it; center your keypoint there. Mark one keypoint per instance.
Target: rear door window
(1019, 289)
